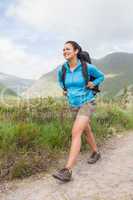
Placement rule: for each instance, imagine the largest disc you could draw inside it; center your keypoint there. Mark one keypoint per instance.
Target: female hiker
(80, 80)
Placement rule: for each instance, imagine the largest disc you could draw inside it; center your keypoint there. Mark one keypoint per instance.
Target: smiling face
(69, 52)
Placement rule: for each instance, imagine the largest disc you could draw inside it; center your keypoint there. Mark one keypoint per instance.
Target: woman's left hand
(90, 85)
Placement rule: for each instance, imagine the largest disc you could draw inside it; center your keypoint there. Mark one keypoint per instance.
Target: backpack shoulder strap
(89, 78)
(63, 76)
(85, 72)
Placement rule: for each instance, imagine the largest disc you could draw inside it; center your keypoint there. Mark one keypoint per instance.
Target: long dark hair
(82, 55)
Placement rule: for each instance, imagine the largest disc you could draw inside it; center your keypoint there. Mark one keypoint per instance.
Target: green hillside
(16, 84)
(119, 64)
(4, 91)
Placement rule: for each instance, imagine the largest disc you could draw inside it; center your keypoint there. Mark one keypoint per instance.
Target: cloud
(95, 24)
(33, 32)
(15, 59)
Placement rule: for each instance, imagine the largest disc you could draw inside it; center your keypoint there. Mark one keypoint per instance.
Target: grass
(33, 134)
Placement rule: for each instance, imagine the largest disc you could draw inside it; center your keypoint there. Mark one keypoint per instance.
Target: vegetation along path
(111, 178)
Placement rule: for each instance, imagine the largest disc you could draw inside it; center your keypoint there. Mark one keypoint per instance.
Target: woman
(81, 98)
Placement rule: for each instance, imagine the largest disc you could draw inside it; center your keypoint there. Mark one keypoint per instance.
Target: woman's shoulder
(62, 64)
(59, 67)
(91, 66)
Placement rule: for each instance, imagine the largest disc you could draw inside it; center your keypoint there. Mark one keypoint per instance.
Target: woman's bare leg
(90, 138)
(77, 130)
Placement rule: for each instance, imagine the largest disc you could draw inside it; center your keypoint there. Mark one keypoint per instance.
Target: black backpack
(85, 75)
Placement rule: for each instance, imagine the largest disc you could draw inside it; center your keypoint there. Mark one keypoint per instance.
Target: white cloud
(31, 11)
(90, 14)
(57, 15)
(9, 52)
(15, 59)
(39, 14)
(94, 23)
(100, 26)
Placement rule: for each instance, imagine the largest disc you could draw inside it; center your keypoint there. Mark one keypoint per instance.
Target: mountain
(46, 86)
(116, 66)
(4, 91)
(119, 70)
(16, 84)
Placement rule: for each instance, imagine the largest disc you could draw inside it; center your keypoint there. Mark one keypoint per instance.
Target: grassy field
(33, 133)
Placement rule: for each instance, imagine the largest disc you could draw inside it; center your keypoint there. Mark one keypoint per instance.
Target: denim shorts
(86, 109)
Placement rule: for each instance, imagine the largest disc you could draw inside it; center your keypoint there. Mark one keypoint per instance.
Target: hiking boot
(63, 175)
(94, 157)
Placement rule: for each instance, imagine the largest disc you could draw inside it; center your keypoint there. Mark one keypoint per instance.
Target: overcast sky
(33, 32)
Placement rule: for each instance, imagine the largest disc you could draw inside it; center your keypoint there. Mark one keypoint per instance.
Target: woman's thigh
(86, 110)
(79, 125)
(82, 118)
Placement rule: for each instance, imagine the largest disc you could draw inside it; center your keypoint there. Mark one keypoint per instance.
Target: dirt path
(109, 179)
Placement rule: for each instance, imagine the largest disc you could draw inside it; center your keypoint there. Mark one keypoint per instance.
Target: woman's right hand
(64, 93)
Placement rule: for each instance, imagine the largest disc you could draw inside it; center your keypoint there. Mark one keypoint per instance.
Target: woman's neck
(73, 62)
